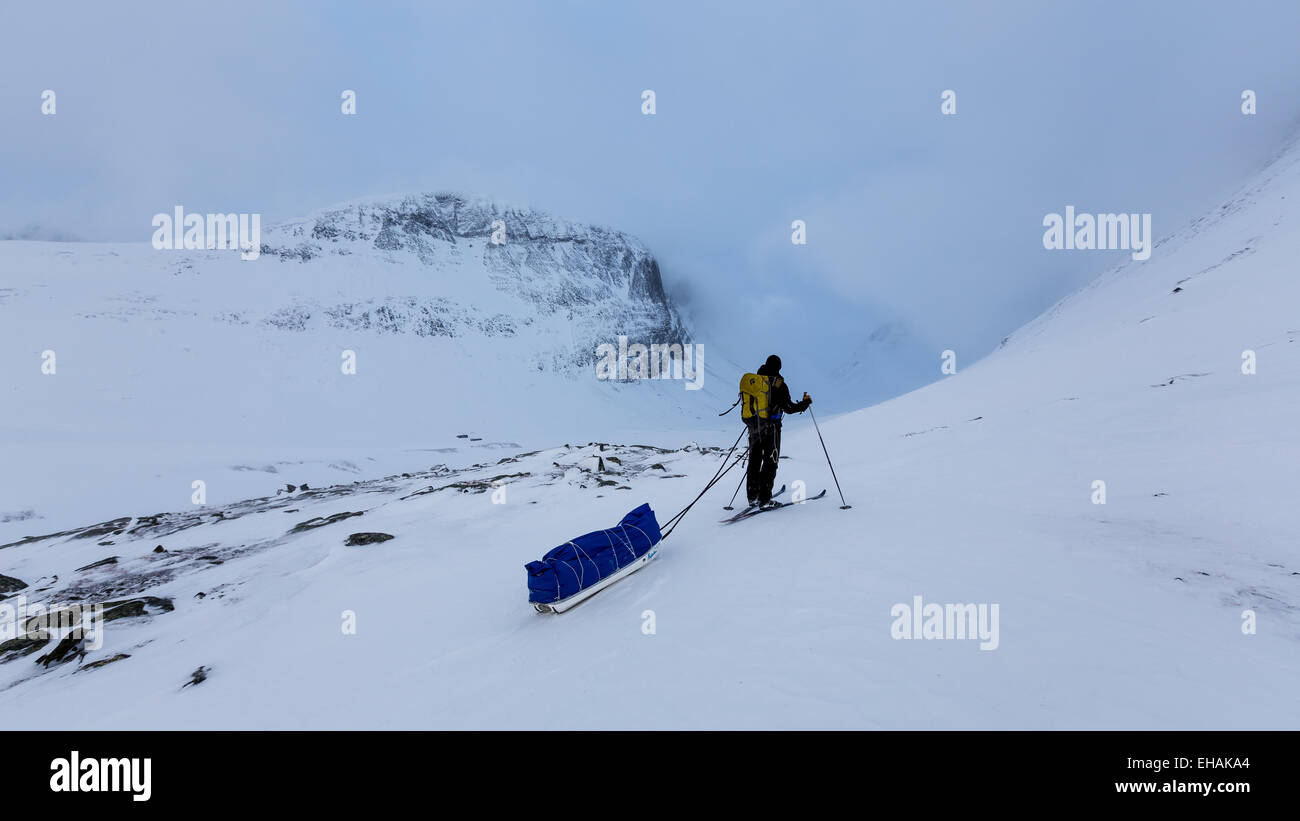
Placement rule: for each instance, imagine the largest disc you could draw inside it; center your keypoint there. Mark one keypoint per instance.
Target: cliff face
(456, 281)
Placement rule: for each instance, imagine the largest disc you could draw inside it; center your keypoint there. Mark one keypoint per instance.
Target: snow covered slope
(976, 490)
(176, 366)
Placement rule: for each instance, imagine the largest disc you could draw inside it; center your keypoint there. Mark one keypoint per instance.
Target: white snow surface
(177, 366)
(976, 489)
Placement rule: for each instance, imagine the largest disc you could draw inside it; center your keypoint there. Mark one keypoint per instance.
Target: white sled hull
(582, 595)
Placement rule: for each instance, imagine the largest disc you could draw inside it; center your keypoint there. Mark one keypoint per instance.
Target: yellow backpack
(756, 395)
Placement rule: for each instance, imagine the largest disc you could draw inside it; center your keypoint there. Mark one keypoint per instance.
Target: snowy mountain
(1122, 611)
(578, 285)
(456, 316)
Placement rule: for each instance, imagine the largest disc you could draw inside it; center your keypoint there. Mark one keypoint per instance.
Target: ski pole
(845, 505)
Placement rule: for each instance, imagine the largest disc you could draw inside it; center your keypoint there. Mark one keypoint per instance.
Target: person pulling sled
(765, 399)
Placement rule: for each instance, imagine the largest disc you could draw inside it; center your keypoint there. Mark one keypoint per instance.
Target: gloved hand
(807, 398)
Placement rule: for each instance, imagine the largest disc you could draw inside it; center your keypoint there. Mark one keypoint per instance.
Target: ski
(582, 595)
(751, 511)
(774, 495)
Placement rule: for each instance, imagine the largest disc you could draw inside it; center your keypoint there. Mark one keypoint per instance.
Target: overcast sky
(766, 113)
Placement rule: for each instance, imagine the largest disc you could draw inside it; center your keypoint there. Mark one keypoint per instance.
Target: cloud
(823, 112)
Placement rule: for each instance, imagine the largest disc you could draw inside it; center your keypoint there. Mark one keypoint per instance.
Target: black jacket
(780, 400)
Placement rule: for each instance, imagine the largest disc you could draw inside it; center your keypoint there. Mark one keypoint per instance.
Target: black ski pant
(764, 451)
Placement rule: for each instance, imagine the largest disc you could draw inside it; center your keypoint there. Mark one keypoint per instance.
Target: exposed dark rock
(30, 539)
(69, 647)
(112, 527)
(8, 584)
(654, 448)
(133, 608)
(100, 563)
(95, 665)
(469, 485)
(1174, 379)
(357, 539)
(322, 521)
(16, 648)
(198, 676)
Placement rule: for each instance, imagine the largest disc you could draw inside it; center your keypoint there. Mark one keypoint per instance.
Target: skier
(768, 400)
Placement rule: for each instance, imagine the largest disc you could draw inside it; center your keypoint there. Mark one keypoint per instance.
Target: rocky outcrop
(134, 608)
(601, 283)
(358, 539)
(8, 584)
(322, 521)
